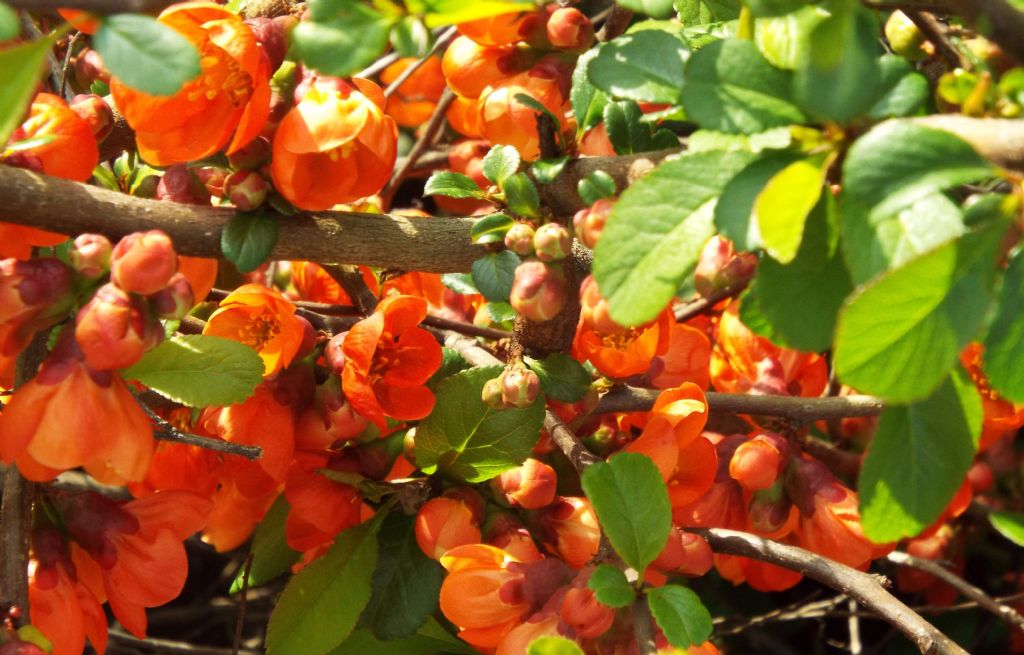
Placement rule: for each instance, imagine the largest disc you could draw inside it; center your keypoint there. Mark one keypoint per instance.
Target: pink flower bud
(530, 486)
(90, 255)
(143, 262)
(539, 290)
(178, 184)
(569, 29)
(212, 179)
(552, 242)
(519, 387)
(343, 422)
(334, 353)
(757, 463)
(113, 329)
(589, 223)
(720, 267)
(175, 300)
(271, 38)
(251, 156)
(246, 190)
(34, 295)
(571, 530)
(519, 239)
(492, 395)
(89, 67)
(98, 114)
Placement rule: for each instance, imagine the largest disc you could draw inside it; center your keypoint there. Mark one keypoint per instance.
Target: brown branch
(935, 32)
(94, 6)
(615, 24)
(568, 442)
(441, 42)
(167, 432)
(126, 642)
(351, 280)
(424, 143)
(983, 600)
(699, 306)
(796, 408)
(859, 586)
(643, 627)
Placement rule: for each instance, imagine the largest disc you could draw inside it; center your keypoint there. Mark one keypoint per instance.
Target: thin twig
(167, 432)
(699, 306)
(68, 95)
(643, 629)
(240, 621)
(351, 280)
(616, 23)
(935, 32)
(984, 601)
(424, 143)
(853, 625)
(441, 42)
(171, 647)
(569, 443)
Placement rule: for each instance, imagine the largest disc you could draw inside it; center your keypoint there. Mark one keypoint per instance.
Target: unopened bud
(720, 267)
(98, 114)
(175, 300)
(90, 255)
(757, 463)
(583, 613)
(246, 190)
(769, 510)
(519, 239)
(594, 309)
(443, 524)
(252, 155)
(530, 486)
(89, 68)
(539, 290)
(334, 353)
(519, 387)
(492, 394)
(569, 29)
(904, 36)
(552, 242)
(113, 329)
(589, 223)
(143, 262)
(178, 184)
(271, 38)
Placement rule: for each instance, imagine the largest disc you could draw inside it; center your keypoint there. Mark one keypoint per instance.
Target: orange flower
(335, 145)
(70, 415)
(501, 29)
(320, 507)
(443, 524)
(572, 531)
(313, 283)
(70, 149)
(262, 319)
(235, 515)
(387, 361)
(414, 101)
(201, 273)
(506, 121)
(686, 359)
(17, 240)
(82, 21)
(226, 105)
(1002, 417)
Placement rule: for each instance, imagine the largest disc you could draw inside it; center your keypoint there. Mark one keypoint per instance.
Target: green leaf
(544, 171)
(648, 67)
(629, 134)
(448, 12)
(453, 185)
(653, 8)
(521, 195)
(406, 583)
(680, 615)
(1009, 524)
(322, 602)
(553, 646)
(248, 239)
(9, 27)
(917, 460)
(752, 316)
(735, 214)
(491, 228)
(656, 231)
(499, 163)
(731, 87)
(587, 100)
(271, 555)
(800, 300)
(459, 283)
(785, 40)
(899, 336)
(20, 67)
(199, 370)
(840, 79)
(470, 441)
(431, 639)
(611, 587)
(702, 12)
(146, 55)
(904, 91)
(342, 38)
(493, 273)
(411, 38)
(760, 8)
(595, 186)
(1004, 344)
(501, 312)
(783, 205)
(632, 504)
(561, 377)
(452, 362)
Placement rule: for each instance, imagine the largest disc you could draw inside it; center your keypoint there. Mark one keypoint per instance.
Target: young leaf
(1010, 525)
(405, 585)
(561, 377)
(20, 67)
(611, 587)
(544, 171)
(680, 615)
(491, 228)
(248, 239)
(783, 205)
(453, 185)
(595, 186)
(785, 40)
(898, 336)
(9, 27)
(735, 212)
(1004, 345)
(705, 12)
(146, 55)
(553, 646)
(199, 370)
(501, 312)
(731, 87)
(656, 231)
(632, 504)
(499, 163)
(646, 66)
(917, 460)
(322, 602)
(271, 555)
(521, 195)
(466, 440)
(343, 37)
(629, 134)
(493, 273)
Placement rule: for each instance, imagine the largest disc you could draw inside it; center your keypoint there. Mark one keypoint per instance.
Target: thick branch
(561, 195)
(857, 585)
(1000, 140)
(797, 408)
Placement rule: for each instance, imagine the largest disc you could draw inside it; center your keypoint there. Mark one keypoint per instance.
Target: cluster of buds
(589, 222)
(95, 112)
(539, 289)
(120, 322)
(517, 386)
(243, 183)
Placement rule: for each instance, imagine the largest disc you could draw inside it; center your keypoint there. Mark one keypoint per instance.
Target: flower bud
(552, 242)
(503, 530)
(342, 421)
(519, 239)
(583, 613)
(443, 524)
(253, 155)
(90, 255)
(571, 530)
(530, 486)
(175, 300)
(569, 29)
(539, 290)
(594, 309)
(178, 184)
(492, 395)
(96, 113)
(246, 190)
(377, 457)
(143, 262)
(684, 553)
(34, 294)
(271, 38)
(334, 353)
(589, 223)
(519, 387)
(904, 36)
(769, 510)
(981, 477)
(721, 267)
(113, 329)
(757, 463)
(89, 67)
